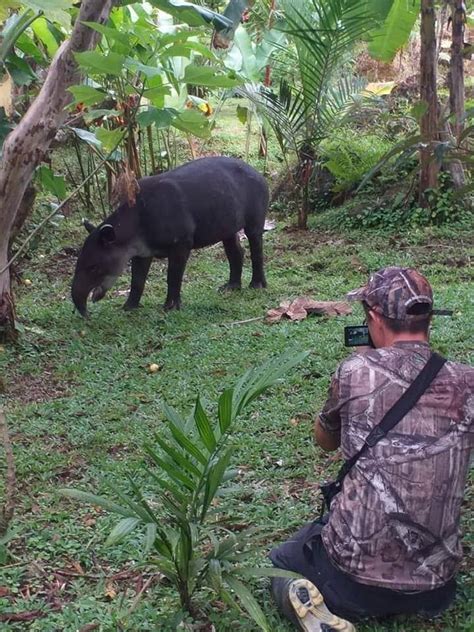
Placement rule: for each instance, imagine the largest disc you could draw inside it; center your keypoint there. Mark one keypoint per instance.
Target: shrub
(350, 154)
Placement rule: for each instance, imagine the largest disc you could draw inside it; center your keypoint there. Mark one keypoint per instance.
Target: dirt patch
(28, 389)
(55, 587)
(61, 264)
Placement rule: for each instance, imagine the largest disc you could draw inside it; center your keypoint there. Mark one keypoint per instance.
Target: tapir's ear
(107, 234)
(88, 225)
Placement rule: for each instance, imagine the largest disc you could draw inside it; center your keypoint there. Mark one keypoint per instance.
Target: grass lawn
(81, 402)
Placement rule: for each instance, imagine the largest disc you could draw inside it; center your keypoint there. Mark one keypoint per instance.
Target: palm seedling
(187, 468)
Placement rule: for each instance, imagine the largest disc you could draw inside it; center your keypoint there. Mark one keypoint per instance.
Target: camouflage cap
(399, 293)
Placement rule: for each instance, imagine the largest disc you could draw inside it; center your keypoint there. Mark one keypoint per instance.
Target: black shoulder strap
(398, 410)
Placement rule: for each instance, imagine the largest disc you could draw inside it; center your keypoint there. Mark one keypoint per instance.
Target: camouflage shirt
(395, 523)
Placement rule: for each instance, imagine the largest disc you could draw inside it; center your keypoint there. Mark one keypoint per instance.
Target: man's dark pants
(304, 553)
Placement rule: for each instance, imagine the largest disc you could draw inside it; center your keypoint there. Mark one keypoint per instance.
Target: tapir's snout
(79, 296)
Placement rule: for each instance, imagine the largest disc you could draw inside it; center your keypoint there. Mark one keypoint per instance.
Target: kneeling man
(390, 543)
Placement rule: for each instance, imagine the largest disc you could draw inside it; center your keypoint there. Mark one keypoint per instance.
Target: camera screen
(356, 336)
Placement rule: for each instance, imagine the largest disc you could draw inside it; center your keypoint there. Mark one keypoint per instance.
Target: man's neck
(392, 338)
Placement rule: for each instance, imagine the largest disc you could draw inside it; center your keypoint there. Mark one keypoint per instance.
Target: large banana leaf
(394, 33)
(193, 14)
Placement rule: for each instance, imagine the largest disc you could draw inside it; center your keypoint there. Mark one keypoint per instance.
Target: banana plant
(136, 86)
(393, 33)
(188, 468)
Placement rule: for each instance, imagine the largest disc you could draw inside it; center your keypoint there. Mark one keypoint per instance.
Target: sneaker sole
(312, 614)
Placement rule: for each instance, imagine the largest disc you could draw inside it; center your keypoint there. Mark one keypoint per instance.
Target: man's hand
(328, 441)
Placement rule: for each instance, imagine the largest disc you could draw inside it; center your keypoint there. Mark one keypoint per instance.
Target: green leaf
(210, 77)
(110, 138)
(118, 40)
(51, 182)
(181, 460)
(192, 122)
(43, 33)
(156, 96)
(135, 66)
(121, 530)
(186, 443)
(150, 537)
(14, 28)
(87, 137)
(92, 499)
(192, 14)
(87, 94)
(247, 601)
(225, 409)
(174, 473)
(95, 63)
(180, 498)
(20, 70)
(214, 574)
(162, 119)
(242, 114)
(387, 40)
(204, 427)
(5, 126)
(54, 10)
(269, 571)
(29, 48)
(92, 115)
(418, 110)
(214, 478)
(138, 510)
(186, 49)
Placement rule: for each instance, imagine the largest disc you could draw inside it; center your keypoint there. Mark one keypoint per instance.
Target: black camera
(357, 336)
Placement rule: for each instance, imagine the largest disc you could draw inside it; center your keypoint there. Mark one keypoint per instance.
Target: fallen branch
(242, 322)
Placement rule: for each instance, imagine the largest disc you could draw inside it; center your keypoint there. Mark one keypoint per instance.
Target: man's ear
(107, 234)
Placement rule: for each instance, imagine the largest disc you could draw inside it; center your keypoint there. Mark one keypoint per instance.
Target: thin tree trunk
(428, 92)
(27, 144)
(456, 86)
(456, 66)
(23, 212)
(263, 148)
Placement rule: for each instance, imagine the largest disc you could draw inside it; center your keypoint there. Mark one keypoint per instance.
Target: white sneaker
(311, 611)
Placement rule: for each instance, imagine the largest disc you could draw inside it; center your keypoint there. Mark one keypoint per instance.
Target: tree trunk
(24, 210)
(428, 92)
(456, 66)
(25, 147)
(263, 148)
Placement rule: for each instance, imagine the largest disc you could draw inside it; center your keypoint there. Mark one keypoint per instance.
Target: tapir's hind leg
(235, 255)
(140, 268)
(256, 253)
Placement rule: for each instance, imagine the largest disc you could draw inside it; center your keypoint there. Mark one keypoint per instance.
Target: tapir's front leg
(140, 268)
(177, 260)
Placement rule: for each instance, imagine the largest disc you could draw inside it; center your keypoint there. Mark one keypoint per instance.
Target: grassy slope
(81, 403)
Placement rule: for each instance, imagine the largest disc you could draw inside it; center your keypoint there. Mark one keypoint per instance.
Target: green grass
(81, 402)
(112, 405)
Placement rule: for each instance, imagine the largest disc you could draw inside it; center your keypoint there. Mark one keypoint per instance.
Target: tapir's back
(203, 202)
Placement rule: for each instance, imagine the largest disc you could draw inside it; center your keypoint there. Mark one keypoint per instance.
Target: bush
(349, 155)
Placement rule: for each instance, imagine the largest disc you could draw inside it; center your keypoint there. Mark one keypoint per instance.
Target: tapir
(196, 205)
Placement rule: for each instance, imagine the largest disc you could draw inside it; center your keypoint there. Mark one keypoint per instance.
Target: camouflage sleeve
(329, 417)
